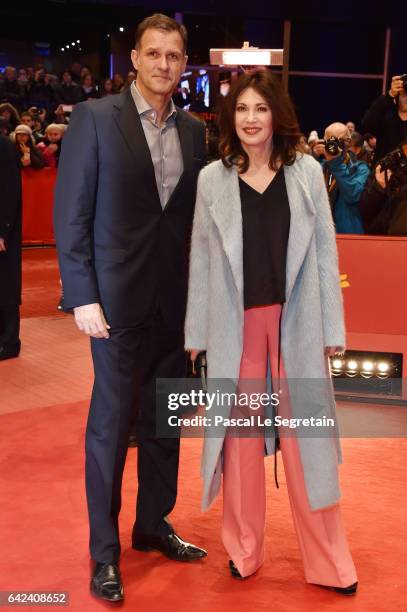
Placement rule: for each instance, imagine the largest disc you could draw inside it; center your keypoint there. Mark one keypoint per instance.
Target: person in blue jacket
(345, 178)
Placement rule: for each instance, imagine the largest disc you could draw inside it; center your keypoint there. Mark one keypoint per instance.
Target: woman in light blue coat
(264, 289)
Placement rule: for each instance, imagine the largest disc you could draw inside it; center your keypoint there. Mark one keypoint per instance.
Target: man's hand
(319, 149)
(397, 86)
(380, 176)
(51, 148)
(2, 245)
(90, 320)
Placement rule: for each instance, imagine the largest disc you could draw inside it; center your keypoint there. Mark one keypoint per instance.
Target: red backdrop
(374, 288)
(38, 201)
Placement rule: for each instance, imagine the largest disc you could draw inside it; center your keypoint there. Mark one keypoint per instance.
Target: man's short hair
(356, 140)
(159, 21)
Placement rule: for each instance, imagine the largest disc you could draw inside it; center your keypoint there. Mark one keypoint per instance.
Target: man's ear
(134, 58)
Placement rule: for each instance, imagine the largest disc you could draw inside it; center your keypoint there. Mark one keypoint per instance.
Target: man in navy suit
(124, 206)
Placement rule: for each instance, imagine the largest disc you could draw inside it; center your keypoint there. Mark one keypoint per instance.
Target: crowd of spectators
(35, 107)
(366, 175)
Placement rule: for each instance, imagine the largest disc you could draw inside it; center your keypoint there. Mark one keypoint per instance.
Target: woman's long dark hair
(286, 131)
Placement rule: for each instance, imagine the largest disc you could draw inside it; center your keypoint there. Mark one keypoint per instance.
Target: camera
(403, 77)
(395, 159)
(333, 145)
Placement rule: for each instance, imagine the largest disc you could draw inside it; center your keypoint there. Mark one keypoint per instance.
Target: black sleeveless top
(266, 225)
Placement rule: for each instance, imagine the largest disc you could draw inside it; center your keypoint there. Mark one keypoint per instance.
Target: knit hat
(23, 129)
(313, 136)
(55, 126)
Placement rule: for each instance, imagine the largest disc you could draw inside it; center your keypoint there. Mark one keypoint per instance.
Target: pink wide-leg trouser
(324, 548)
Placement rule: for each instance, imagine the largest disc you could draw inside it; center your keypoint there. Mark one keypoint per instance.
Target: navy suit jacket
(116, 245)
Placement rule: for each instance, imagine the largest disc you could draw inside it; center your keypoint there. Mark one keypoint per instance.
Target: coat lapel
(302, 222)
(128, 121)
(227, 215)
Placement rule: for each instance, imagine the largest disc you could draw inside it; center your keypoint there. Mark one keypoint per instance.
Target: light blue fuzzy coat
(312, 316)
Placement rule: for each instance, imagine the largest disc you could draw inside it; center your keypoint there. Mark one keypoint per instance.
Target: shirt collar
(145, 109)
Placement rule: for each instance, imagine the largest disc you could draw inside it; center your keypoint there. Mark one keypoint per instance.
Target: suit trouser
(325, 553)
(126, 367)
(10, 325)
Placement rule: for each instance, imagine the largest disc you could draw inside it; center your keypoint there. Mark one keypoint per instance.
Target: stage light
(367, 369)
(121, 29)
(73, 44)
(62, 48)
(78, 41)
(383, 366)
(67, 46)
(352, 368)
(246, 56)
(337, 365)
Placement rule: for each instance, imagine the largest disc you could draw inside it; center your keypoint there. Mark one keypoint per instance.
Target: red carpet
(44, 533)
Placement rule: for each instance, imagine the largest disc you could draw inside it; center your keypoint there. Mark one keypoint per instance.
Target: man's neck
(158, 102)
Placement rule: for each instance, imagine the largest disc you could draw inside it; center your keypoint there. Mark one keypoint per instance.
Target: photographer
(383, 204)
(387, 117)
(345, 177)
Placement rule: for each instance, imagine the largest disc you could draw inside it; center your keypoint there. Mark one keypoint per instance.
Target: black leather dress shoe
(171, 546)
(9, 352)
(106, 582)
(132, 441)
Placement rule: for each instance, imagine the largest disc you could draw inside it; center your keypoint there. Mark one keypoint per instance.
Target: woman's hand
(193, 353)
(331, 351)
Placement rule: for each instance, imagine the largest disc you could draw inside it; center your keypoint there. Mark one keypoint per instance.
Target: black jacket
(382, 120)
(383, 212)
(116, 245)
(10, 223)
(13, 93)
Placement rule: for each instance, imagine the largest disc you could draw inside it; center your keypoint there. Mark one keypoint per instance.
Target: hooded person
(29, 155)
(50, 147)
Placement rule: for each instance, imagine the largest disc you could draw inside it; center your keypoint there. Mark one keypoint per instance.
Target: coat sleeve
(74, 211)
(350, 183)
(327, 261)
(196, 321)
(372, 201)
(373, 121)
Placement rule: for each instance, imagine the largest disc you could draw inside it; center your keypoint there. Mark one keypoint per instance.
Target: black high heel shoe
(234, 571)
(349, 590)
